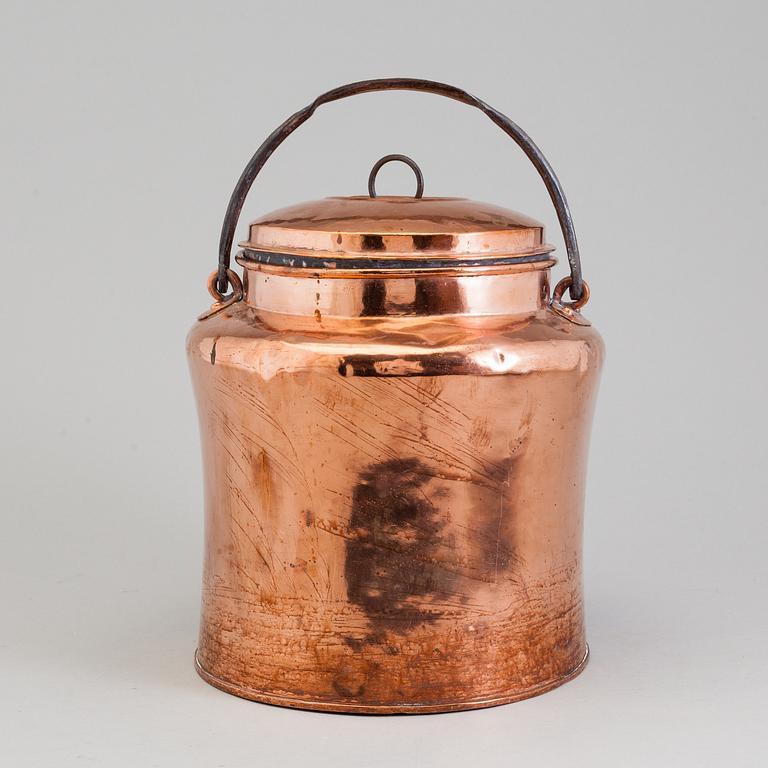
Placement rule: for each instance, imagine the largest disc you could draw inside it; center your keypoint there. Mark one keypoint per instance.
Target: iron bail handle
(282, 132)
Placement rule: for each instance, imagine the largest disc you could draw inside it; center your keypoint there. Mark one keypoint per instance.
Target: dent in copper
(394, 482)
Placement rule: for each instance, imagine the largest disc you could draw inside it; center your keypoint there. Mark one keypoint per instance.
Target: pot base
(384, 709)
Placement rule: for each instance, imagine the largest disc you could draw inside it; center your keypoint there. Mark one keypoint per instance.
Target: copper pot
(395, 415)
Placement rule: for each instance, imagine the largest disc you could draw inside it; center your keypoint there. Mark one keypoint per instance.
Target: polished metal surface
(394, 475)
(395, 416)
(341, 296)
(395, 227)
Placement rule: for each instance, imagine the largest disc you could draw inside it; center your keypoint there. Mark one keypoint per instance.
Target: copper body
(394, 481)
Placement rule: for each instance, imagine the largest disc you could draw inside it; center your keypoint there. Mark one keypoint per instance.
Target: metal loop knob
(400, 159)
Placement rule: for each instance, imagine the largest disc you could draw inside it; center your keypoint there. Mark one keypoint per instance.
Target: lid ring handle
(514, 131)
(399, 159)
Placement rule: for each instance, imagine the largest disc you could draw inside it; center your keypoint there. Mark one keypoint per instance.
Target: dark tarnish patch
(445, 243)
(392, 567)
(374, 298)
(352, 680)
(355, 643)
(437, 296)
(406, 365)
(373, 243)
(493, 509)
(493, 505)
(213, 351)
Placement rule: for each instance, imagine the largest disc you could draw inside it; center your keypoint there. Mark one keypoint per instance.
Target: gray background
(123, 129)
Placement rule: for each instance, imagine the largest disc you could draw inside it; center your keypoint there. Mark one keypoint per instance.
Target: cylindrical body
(394, 481)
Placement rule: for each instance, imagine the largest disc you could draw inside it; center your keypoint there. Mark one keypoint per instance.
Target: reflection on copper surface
(394, 421)
(397, 227)
(337, 296)
(394, 473)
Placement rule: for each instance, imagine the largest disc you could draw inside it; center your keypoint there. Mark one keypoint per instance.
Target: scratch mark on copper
(502, 486)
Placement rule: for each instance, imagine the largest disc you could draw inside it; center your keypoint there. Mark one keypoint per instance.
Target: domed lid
(394, 230)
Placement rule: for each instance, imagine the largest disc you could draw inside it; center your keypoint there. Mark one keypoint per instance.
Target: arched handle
(276, 138)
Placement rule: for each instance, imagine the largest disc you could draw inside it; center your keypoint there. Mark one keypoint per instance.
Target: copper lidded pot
(395, 412)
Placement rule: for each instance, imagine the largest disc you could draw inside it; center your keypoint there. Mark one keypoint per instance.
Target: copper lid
(395, 229)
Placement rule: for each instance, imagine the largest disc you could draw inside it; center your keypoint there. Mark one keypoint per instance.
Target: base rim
(295, 702)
